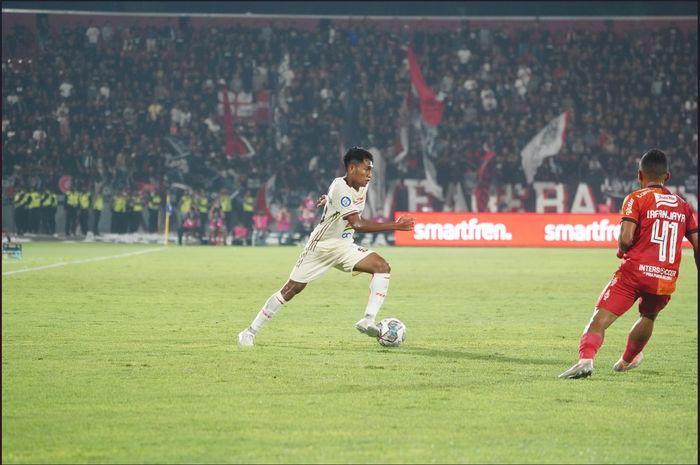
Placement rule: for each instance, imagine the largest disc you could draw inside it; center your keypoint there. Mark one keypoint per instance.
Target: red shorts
(621, 293)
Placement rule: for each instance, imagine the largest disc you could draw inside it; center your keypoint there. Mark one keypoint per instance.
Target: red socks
(633, 348)
(589, 345)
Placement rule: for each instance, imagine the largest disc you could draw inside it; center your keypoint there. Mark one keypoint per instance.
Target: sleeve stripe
(349, 213)
(688, 233)
(625, 218)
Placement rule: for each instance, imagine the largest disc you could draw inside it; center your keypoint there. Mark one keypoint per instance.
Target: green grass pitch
(116, 358)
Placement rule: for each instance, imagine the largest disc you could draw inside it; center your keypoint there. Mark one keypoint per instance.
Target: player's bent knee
(386, 267)
(291, 289)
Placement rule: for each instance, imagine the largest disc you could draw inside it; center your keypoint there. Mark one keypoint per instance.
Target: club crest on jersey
(667, 200)
(345, 201)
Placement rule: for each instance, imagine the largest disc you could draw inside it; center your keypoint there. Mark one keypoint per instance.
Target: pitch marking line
(78, 262)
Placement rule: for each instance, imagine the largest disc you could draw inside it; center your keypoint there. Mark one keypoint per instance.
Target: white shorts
(340, 254)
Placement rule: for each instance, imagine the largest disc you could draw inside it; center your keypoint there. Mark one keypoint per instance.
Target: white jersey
(342, 202)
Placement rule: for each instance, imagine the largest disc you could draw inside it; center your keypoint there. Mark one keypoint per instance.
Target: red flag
(235, 143)
(483, 181)
(430, 108)
(228, 123)
(265, 193)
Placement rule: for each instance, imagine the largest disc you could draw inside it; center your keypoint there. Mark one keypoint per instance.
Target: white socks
(268, 311)
(378, 287)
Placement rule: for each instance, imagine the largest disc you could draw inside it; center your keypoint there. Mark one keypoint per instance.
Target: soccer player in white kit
(331, 245)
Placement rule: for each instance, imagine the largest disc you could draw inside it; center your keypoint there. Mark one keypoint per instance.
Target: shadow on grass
(435, 353)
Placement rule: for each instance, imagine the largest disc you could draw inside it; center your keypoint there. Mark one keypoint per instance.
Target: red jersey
(662, 219)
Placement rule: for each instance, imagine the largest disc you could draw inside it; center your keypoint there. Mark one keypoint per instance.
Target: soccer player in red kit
(654, 222)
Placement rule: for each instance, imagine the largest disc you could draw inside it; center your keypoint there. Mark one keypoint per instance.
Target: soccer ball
(391, 332)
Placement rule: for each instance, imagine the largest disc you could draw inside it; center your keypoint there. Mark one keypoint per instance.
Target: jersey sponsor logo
(658, 272)
(628, 207)
(668, 200)
(345, 201)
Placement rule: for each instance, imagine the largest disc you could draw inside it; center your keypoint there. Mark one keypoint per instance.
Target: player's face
(361, 173)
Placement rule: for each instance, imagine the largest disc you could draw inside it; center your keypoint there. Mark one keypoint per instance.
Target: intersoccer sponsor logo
(470, 230)
(598, 231)
(658, 272)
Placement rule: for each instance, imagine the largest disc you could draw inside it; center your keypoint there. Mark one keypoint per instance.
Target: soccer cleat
(583, 369)
(368, 327)
(246, 338)
(621, 365)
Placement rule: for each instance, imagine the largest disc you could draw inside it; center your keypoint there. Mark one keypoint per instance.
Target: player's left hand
(322, 200)
(405, 223)
(620, 253)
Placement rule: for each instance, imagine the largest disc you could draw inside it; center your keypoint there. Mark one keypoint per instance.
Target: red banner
(430, 108)
(512, 230)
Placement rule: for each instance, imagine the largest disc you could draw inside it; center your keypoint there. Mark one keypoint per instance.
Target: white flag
(546, 143)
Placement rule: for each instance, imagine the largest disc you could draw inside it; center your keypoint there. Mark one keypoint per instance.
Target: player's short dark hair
(356, 155)
(654, 164)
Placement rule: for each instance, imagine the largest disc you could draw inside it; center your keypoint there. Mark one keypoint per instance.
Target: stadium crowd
(123, 110)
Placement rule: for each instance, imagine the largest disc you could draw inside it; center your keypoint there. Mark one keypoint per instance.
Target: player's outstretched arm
(361, 225)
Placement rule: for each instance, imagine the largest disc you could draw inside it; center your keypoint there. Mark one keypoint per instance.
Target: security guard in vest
(34, 210)
(97, 206)
(72, 204)
(84, 211)
(136, 211)
(19, 201)
(185, 204)
(248, 209)
(203, 207)
(49, 204)
(154, 203)
(119, 213)
(227, 209)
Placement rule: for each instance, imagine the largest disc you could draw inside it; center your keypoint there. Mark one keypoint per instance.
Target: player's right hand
(322, 200)
(620, 253)
(405, 223)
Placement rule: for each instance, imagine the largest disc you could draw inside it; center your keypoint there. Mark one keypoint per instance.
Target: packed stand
(130, 113)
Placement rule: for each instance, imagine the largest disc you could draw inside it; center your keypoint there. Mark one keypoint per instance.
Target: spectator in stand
(134, 86)
(240, 234)
(307, 217)
(283, 224)
(261, 227)
(190, 225)
(217, 224)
